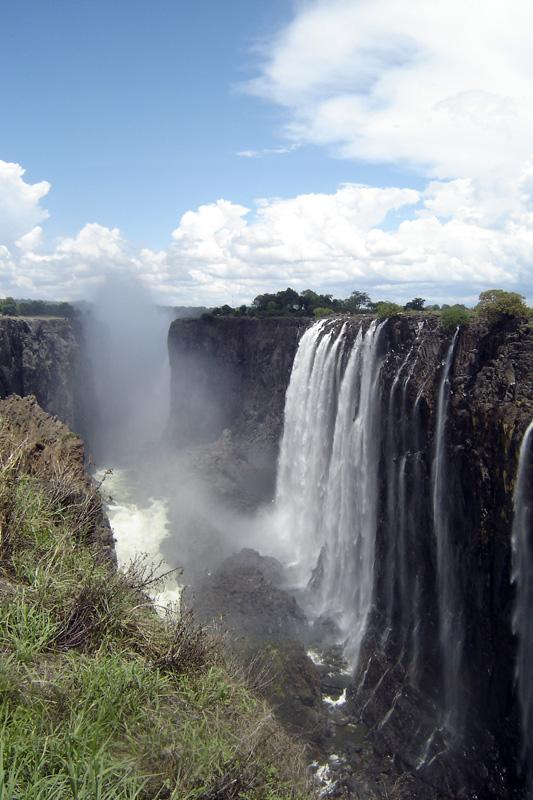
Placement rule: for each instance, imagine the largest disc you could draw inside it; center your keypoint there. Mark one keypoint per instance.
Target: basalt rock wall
(45, 358)
(231, 374)
(474, 747)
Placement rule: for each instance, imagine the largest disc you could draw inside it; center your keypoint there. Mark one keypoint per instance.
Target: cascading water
(451, 614)
(523, 578)
(402, 461)
(327, 480)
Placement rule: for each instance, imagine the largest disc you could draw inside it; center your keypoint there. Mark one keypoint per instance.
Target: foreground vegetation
(100, 698)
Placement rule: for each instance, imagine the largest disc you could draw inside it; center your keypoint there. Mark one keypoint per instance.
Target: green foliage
(357, 303)
(452, 316)
(289, 302)
(35, 308)
(494, 304)
(101, 698)
(385, 309)
(8, 307)
(416, 304)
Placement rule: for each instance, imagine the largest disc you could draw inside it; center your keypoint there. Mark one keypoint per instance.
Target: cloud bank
(392, 242)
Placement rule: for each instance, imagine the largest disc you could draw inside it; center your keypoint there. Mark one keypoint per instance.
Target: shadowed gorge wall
(231, 373)
(46, 358)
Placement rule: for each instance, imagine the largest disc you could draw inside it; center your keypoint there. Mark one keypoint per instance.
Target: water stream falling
(327, 479)
(523, 578)
(451, 614)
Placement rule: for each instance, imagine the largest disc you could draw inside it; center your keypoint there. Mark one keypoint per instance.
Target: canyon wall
(46, 358)
(231, 374)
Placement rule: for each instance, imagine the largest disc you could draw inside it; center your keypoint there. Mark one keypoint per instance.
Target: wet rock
(242, 594)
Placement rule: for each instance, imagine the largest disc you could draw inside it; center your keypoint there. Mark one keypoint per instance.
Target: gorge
(392, 451)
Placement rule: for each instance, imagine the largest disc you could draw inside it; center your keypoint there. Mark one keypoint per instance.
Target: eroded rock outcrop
(52, 452)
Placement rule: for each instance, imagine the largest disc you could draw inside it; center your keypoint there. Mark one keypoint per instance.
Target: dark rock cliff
(45, 358)
(396, 703)
(490, 406)
(231, 373)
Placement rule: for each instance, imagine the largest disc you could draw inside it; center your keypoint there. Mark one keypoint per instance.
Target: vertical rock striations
(45, 358)
(523, 578)
(231, 374)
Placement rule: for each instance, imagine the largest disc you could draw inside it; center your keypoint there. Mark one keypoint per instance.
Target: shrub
(495, 304)
(453, 316)
(386, 308)
(322, 312)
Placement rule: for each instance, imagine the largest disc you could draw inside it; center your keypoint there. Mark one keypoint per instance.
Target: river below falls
(139, 524)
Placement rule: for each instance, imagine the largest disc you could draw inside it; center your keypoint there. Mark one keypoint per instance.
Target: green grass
(100, 698)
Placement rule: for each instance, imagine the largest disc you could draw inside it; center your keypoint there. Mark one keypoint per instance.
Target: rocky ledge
(52, 452)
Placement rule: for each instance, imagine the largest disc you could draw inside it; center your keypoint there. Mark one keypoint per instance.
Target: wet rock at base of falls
(243, 594)
(266, 628)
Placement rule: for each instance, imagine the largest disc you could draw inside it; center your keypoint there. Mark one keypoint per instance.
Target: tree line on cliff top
(9, 307)
(493, 304)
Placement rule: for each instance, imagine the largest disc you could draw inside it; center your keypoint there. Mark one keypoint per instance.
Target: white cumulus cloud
(444, 243)
(445, 87)
(20, 208)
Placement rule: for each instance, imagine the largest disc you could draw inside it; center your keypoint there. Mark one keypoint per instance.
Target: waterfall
(451, 615)
(403, 484)
(522, 539)
(327, 487)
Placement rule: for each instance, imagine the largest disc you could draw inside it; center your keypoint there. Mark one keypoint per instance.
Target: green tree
(495, 304)
(453, 316)
(357, 303)
(416, 304)
(322, 312)
(385, 308)
(9, 307)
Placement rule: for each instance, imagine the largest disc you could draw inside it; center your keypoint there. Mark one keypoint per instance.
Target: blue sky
(134, 113)
(132, 110)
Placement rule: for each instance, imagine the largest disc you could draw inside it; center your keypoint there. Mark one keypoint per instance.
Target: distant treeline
(492, 304)
(309, 303)
(9, 307)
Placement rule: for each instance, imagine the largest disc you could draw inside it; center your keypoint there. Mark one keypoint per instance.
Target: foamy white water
(139, 530)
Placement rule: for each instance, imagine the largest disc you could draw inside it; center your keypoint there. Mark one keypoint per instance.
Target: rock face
(398, 702)
(45, 358)
(245, 596)
(490, 405)
(232, 373)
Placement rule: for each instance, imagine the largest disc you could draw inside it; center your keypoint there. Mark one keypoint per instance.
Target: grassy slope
(100, 697)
